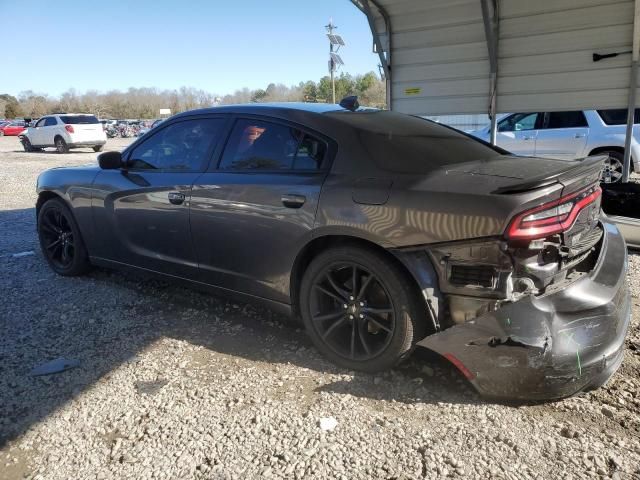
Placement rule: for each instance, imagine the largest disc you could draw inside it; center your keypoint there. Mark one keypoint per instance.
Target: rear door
(251, 216)
(141, 214)
(563, 135)
(517, 133)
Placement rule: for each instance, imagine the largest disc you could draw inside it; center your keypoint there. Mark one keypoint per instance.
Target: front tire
(60, 239)
(98, 148)
(360, 309)
(61, 145)
(26, 144)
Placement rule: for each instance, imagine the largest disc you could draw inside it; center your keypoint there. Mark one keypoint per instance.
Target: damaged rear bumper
(550, 346)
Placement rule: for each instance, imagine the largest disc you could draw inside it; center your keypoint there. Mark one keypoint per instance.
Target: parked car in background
(144, 130)
(65, 131)
(13, 128)
(569, 135)
(414, 235)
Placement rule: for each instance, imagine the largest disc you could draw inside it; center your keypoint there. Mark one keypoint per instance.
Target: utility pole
(335, 42)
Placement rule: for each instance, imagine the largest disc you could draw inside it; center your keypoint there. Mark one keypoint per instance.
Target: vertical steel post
(633, 87)
(490, 18)
(385, 60)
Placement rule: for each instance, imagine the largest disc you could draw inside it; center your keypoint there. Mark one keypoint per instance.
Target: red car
(12, 128)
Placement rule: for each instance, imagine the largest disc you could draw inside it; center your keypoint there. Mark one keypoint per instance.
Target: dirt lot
(177, 384)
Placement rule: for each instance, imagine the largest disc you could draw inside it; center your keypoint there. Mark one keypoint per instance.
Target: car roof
(258, 108)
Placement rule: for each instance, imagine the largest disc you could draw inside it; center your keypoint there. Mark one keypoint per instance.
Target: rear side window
(618, 116)
(183, 146)
(574, 119)
(78, 119)
(50, 121)
(260, 145)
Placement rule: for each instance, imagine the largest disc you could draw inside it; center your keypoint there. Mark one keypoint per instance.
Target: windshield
(78, 119)
(408, 144)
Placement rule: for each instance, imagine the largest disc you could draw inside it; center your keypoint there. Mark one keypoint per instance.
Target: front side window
(574, 119)
(41, 122)
(183, 146)
(260, 145)
(518, 122)
(50, 121)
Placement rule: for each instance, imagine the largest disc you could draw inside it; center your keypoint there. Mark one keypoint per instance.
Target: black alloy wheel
(60, 239)
(352, 311)
(359, 309)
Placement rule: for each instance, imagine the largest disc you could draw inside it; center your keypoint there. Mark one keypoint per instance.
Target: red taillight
(551, 218)
(69, 128)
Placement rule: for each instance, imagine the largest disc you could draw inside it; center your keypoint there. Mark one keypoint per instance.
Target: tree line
(146, 102)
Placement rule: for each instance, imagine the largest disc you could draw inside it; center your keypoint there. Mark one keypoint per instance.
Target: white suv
(569, 135)
(64, 131)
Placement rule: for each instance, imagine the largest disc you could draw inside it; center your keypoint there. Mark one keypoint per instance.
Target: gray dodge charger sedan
(382, 231)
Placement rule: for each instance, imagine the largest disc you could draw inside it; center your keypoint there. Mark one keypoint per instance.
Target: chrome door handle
(580, 135)
(176, 198)
(293, 201)
(527, 138)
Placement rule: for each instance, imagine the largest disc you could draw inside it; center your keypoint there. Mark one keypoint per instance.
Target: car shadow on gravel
(107, 319)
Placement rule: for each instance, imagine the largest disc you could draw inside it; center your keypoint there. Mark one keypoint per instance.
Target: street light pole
(332, 65)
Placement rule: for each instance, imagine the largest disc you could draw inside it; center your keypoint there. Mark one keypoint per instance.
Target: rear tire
(60, 239)
(371, 326)
(61, 145)
(612, 170)
(98, 148)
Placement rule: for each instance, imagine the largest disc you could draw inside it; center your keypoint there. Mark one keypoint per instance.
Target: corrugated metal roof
(440, 61)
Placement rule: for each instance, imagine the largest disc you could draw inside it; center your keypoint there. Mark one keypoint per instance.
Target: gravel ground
(177, 384)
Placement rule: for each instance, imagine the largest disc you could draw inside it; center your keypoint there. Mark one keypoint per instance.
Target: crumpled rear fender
(551, 346)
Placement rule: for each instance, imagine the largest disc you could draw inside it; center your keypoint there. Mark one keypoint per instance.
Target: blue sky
(215, 45)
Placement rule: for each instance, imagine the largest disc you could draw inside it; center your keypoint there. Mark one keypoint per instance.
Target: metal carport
(492, 56)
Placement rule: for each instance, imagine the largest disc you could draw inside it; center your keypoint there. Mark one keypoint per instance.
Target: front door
(517, 133)
(141, 214)
(251, 216)
(36, 135)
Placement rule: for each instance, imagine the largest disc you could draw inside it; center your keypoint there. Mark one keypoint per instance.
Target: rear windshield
(618, 116)
(78, 119)
(408, 144)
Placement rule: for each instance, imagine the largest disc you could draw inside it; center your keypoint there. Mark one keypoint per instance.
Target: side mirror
(110, 160)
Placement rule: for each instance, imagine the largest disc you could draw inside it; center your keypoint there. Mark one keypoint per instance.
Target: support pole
(633, 87)
(490, 18)
(385, 60)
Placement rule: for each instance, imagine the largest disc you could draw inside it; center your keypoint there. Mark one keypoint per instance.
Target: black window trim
(330, 148)
(211, 153)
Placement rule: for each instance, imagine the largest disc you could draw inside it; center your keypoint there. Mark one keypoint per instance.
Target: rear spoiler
(582, 167)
